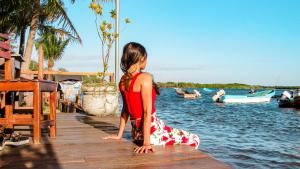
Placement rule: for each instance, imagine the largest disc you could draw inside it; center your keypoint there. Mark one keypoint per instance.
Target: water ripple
(244, 135)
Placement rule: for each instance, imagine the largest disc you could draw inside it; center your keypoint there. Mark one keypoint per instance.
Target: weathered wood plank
(8, 69)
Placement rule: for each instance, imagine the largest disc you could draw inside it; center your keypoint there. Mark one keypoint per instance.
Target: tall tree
(54, 46)
(18, 15)
(49, 12)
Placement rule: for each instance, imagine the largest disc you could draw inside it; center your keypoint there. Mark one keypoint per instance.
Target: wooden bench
(9, 86)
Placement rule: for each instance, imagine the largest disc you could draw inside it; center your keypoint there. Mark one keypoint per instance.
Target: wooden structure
(110, 75)
(10, 86)
(79, 145)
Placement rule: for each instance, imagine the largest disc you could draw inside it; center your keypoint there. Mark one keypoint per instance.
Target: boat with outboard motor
(257, 97)
(286, 99)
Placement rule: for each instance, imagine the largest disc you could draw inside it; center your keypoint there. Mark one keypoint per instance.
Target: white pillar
(117, 41)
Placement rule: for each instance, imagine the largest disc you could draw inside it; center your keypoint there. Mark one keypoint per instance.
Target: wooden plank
(4, 45)
(22, 116)
(36, 116)
(5, 54)
(79, 144)
(47, 123)
(53, 114)
(66, 73)
(17, 86)
(12, 121)
(8, 69)
(40, 62)
(8, 106)
(4, 36)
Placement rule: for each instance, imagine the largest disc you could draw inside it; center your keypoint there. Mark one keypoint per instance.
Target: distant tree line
(223, 86)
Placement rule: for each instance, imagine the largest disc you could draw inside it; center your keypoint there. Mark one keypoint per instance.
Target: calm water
(243, 135)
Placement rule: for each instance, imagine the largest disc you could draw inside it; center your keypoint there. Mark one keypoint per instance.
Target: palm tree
(53, 46)
(48, 12)
(15, 18)
(38, 15)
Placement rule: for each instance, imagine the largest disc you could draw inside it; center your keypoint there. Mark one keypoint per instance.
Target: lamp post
(117, 41)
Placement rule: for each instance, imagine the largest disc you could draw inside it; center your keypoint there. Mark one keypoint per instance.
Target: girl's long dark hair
(133, 53)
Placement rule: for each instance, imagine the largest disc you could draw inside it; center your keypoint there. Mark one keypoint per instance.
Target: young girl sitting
(139, 93)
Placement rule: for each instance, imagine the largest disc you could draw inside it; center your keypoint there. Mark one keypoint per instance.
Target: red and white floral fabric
(160, 134)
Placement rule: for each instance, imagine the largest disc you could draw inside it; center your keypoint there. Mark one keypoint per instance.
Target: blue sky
(203, 41)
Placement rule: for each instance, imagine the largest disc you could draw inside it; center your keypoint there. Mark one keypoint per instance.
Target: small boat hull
(259, 97)
(297, 101)
(184, 94)
(189, 96)
(286, 103)
(286, 99)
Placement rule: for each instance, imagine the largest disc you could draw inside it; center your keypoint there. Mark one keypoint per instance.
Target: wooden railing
(110, 75)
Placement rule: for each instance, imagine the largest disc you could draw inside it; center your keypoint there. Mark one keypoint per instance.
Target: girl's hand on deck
(144, 149)
(113, 137)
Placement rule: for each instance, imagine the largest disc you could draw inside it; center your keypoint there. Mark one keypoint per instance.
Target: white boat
(263, 96)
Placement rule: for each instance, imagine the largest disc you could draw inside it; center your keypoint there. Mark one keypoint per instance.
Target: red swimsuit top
(134, 100)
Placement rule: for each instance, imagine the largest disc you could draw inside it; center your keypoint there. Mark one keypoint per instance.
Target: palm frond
(55, 12)
(59, 32)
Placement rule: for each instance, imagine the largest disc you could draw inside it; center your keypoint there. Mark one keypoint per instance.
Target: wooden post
(52, 114)
(41, 60)
(8, 69)
(8, 107)
(36, 115)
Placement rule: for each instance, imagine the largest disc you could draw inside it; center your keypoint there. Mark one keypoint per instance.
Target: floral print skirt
(160, 134)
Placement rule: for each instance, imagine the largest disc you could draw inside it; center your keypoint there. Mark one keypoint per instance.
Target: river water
(243, 135)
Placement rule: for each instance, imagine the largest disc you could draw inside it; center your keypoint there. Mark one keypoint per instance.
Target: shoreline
(223, 86)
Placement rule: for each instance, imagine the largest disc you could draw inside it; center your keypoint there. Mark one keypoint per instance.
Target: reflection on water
(243, 135)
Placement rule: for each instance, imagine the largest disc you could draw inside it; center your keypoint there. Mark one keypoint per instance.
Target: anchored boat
(187, 95)
(286, 99)
(262, 96)
(297, 98)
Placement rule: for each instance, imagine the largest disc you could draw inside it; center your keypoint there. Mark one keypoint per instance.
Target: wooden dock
(79, 145)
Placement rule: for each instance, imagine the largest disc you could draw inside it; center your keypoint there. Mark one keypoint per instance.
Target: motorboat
(286, 99)
(186, 94)
(257, 97)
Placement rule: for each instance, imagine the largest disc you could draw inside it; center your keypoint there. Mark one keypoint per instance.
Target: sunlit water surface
(243, 135)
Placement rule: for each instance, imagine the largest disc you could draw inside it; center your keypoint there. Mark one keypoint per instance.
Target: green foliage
(62, 69)
(91, 79)
(16, 16)
(198, 85)
(94, 81)
(34, 66)
(105, 24)
(53, 45)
